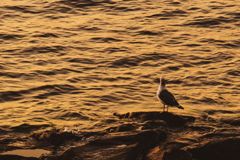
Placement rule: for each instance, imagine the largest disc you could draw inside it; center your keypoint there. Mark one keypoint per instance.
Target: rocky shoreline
(140, 136)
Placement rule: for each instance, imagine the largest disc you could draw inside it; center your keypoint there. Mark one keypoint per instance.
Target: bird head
(162, 81)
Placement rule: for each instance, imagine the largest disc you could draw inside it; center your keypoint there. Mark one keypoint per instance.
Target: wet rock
(146, 140)
(232, 121)
(212, 112)
(176, 154)
(168, 154)
(55, 137)
(126, 127)
(200, 128)
(25, 127)
(188, 118)
(222, 133)
(48, 157)
(235, 122)
(125, 145)
(15, 157)
(171, 119)
(220, 149)
(171, 150)
(52, 137)
(4, 145)
(152, 124)
(148, 136)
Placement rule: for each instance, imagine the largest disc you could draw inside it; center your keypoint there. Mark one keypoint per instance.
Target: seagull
(165, 96)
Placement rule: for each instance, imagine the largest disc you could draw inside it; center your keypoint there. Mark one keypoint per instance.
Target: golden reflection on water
(27, 152)
(72, 63)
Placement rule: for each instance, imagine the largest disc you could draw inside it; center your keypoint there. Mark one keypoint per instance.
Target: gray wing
(168, 98)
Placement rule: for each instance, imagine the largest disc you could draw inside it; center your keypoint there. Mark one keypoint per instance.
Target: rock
(144, 135)
(171, 119)
(126, 127)
(176, 154)
(212, 112)
(52, 137)
(188, 118)
(152, 124)
(120, 145)
(220, 149)
(48, 157)
(235, 122)
(221, 133)
(16, 157)
(166, 153)
(232, 121)
(55, 137)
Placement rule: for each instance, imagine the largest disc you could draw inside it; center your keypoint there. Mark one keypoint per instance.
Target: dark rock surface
(171, 119)
(168, 154)
(55, 137)
(116, 146)
(15, 157)
(220, 149)
(143, 136)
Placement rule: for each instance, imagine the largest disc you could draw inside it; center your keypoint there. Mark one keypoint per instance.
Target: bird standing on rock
(165, 96)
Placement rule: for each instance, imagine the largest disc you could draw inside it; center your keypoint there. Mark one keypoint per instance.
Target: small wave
(50, 89)
(72, 115)
(84, 3)
(11, 95)
(212, 112)
(11, 36)
(23, 9)
(169, 14)
(57, 71)
(135, 60)
(194, 8)
(215, 83)
(38, 72)
(110, 50)
(25, 127)
(192, 45)
(208, 100)
(87, 28)
(105, 39)
(74, 80)
(12, 74)
(223, 43)
(209, 22)
(145, 32)
(81, 60)
(234, 72)
(173, 68)
(46, 35)
(58, 7)
(43, 49)
(124, 8)
(109, 98)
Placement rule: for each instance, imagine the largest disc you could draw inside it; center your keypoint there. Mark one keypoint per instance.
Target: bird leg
(164, 108)
(167, 108)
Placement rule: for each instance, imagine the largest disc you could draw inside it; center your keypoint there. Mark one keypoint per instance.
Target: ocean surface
(73, 63)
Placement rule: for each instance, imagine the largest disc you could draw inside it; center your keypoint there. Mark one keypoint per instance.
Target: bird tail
(180, 107)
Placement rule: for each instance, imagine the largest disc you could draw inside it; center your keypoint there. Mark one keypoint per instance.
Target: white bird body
(165, 96)
(160, 88)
